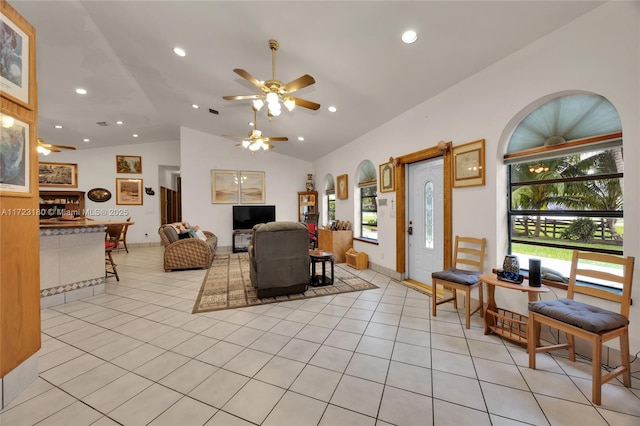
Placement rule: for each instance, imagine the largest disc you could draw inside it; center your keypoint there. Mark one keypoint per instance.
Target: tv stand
(241, 239)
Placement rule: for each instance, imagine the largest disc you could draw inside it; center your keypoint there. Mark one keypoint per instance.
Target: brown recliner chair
(279, 256)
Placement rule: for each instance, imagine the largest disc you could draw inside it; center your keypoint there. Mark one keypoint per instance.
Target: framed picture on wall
(18, 45)
(342, 190)
(58, 174)
(387, 179)
(224, 186)
(128, 164)
(468, 164)
(252, 189)
(129, 191)
(15, 151)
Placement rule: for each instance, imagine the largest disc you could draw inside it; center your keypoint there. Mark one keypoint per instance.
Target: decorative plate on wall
(99, 195)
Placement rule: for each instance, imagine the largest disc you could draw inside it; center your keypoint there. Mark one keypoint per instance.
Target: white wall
(597, 53)
(202, 152)
(97, 169)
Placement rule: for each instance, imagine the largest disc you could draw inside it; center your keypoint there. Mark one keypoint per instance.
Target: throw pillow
(201, 235)
(184, 235)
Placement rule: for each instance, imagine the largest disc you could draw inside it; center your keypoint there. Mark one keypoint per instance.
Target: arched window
(368, 206)
(565, 181)
(330, 198)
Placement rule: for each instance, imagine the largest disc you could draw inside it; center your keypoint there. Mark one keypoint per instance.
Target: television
(244, 217)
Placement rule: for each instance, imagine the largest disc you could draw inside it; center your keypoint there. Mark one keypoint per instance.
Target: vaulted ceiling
(121, 53)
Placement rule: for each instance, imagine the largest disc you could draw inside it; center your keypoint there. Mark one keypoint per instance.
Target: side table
(316, 256)
(505, 323)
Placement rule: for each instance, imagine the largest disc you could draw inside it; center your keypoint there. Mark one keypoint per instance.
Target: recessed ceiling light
(86, 140)
(81, 91)
(194, 106)
(409, 36)
(135, 135)
(179, 51)
(300, 138)
(332, 109)
(58, 126)
(119, 122)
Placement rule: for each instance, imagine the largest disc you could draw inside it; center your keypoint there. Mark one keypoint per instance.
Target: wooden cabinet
(57, 203)
(337, 242)
(307, 203)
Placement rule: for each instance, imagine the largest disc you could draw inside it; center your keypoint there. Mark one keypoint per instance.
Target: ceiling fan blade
(305, 103)
(62, 146)
(234, 137)
(276, 139)
(299, 83)
(251, 79)
(53, 149)
(239, 98)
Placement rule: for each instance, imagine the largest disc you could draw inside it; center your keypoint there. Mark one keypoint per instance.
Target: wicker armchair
(188, 253)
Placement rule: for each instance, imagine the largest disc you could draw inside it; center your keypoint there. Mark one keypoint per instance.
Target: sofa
(279, 258)
(186, 246)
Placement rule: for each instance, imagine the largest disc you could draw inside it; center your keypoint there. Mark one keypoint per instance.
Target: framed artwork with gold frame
(252, 188)
(58, 174)
(342, 187)
(224, 186)
(468, 164)
(387, 178)
(129, 192)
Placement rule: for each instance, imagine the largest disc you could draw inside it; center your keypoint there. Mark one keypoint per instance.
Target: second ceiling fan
(274, 91)
(255, 140)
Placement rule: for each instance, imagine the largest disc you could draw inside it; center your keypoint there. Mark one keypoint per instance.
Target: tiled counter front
(71, 264)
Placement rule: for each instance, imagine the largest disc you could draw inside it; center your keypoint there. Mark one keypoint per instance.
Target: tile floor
(137, 356)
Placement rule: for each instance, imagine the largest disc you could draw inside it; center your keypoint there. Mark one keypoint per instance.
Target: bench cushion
(587, 317)
(459, 276)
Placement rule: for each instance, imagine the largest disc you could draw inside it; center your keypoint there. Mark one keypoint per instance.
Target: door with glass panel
(425, 203)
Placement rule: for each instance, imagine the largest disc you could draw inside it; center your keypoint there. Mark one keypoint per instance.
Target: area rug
(227, 285)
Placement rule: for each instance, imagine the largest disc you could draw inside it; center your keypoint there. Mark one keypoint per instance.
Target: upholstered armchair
(279, 256)
(183, 251)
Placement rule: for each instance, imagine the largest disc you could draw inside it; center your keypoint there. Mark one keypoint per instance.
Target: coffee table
(320, 256)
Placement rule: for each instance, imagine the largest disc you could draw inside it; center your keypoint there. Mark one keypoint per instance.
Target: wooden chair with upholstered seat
(468, 263)
(589, 322)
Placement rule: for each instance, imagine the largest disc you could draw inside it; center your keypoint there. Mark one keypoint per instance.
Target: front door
(425, 203)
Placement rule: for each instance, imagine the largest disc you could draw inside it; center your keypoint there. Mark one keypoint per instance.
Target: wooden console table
(505, 323)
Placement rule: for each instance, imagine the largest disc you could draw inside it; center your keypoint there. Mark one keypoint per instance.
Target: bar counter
(72, 264)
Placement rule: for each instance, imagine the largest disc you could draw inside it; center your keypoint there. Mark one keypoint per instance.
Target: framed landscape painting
(15, 152)
(128, 164)
(58, 174)
(129, 191)
(252, 188)
(224, 186)
(468, 164)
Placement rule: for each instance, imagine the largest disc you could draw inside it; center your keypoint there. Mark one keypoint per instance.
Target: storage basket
(511, 325)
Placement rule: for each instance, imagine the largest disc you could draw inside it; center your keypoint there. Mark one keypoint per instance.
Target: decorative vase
(511, 264)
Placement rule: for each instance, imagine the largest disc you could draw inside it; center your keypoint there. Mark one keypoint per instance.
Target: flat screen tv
(244, 217)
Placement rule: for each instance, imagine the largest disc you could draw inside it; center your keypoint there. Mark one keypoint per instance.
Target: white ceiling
(121, 52)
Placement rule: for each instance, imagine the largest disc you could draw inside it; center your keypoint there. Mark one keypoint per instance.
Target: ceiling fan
(274, 91)
(47, 148)
(255, 140)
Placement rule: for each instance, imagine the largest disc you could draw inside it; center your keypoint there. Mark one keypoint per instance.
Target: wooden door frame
(443, 149)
